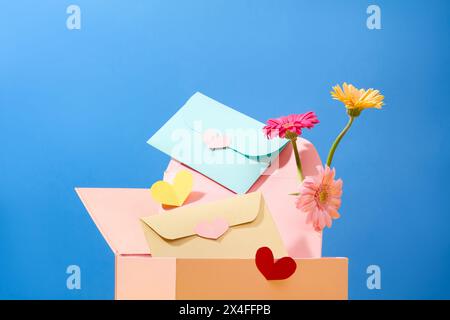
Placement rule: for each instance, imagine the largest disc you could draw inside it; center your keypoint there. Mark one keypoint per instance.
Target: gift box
(249, 192)
(138, 275)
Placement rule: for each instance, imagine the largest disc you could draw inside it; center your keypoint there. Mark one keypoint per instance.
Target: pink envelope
(279, 180)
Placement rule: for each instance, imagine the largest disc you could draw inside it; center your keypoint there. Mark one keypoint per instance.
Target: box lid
(116, 212)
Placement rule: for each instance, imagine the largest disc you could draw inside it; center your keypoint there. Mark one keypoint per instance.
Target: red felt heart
(274, 270)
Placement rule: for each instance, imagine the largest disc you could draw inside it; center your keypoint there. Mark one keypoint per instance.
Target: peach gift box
(138, 275)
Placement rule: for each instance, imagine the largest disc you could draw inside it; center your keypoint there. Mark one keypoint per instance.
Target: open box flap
(117, 212)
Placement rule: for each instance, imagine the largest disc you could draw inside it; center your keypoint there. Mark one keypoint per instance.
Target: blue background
(76, 109)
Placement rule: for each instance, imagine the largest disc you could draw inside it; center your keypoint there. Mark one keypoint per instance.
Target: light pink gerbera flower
(293, 123)
(320, 198)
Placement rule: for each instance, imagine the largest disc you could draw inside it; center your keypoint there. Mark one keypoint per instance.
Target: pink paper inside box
(117, 213)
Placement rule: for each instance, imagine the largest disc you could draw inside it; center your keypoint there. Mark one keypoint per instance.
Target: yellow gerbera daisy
(359, 99)
(355, 100)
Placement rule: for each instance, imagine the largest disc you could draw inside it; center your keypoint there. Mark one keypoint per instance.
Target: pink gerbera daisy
(320, 198)
(293, 123)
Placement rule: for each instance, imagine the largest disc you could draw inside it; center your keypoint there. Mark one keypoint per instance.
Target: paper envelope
(172, 234)
(237, 166)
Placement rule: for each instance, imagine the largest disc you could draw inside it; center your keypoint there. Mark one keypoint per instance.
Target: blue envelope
(219, 142)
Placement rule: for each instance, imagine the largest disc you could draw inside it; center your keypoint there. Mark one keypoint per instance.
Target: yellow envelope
(183, 232)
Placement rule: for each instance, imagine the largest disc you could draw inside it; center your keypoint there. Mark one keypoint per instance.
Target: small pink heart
(215, 140)
(213, 229)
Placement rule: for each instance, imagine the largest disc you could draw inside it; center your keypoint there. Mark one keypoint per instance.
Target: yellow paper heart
(173, 194)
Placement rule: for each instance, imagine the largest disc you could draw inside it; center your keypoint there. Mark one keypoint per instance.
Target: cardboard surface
(144, 277)
(325, 278)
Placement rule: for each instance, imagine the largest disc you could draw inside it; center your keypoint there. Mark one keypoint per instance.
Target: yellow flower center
(291, 135)
(322, 195)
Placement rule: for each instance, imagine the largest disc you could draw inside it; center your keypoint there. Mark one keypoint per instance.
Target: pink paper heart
(212, 229)
(215, 140)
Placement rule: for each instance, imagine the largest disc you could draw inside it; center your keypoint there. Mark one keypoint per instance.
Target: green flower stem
(297, 158)
(338, 139)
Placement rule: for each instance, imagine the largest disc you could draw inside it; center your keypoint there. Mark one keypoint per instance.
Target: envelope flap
(245, 133)
(181, 222)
